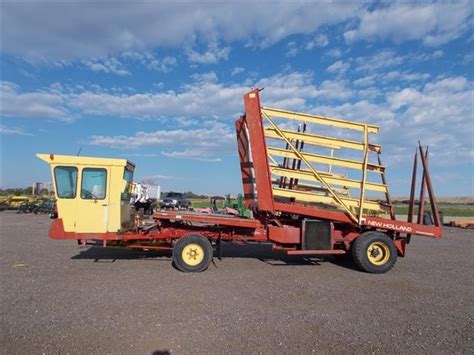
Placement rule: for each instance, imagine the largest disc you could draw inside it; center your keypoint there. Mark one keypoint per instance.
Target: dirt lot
(58, 298)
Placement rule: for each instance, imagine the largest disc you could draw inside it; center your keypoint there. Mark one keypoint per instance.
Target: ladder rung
(323, 159)
(311, 197)
(320, 120)
(332, 180)
(323, 141)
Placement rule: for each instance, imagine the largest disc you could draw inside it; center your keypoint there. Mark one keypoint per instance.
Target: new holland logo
(390, 226)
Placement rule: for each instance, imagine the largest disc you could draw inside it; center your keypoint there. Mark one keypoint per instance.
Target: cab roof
(79, 160)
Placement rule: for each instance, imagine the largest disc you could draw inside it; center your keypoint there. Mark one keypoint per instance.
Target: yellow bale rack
(317, 181)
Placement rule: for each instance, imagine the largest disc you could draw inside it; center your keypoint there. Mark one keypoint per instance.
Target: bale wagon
(304, 199)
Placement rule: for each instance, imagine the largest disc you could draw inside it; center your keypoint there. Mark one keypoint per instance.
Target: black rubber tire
(204, 243)
(361, 245)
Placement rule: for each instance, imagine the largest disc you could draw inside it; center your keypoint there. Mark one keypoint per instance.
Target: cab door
(65, 181)
(92, 203)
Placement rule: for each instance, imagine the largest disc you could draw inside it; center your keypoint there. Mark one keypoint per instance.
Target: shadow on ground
(262, 252)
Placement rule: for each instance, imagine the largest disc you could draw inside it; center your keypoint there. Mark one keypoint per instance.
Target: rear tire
(374, 252)
(192, 253)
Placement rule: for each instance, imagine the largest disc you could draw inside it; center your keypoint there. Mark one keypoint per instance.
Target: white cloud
(207, 97)
(320, 40)
(37, 104)
(391, 76)
(443, 98)
(434, 23)
(293, 91)
(150, 61)
(339, 67)
(13, 130)
(292, 50)
(379, 61)
(468, 58)
(237, 70)
(438, 110)
(192, 153)
(204, 96)
(335, 53)
(361, 111)
(117, 65)
(441, 112)
(199, 144)
(369, 93)
(403, 76)
(212, 55)
(111, 65)
(112, 28)
(334, 90)
(366, 80)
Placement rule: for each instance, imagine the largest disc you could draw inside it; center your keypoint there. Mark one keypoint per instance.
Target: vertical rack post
(411, 205)
(298, 165)
(421, 203)
(387, 194)
(434, 206)
(364, 172)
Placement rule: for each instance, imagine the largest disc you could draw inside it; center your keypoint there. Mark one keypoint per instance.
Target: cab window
(93, 185)
(66, 181)
(128, 177)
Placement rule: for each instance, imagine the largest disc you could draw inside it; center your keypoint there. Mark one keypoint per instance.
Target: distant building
(40, 188)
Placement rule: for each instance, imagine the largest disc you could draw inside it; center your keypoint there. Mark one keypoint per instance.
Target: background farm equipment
(45, 207)
(175, 200)
(26, 207)
(227, 206)
(145, 197)
(14, 202)
(219, 205)
(37, 206)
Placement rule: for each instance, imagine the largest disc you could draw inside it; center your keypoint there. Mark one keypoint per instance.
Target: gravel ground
(59, 298)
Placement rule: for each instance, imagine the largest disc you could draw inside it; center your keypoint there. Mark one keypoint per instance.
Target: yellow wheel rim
(378, 253)
(192, 254)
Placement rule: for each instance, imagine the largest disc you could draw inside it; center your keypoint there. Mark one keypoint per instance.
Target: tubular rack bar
(421, 208)
(330, 178)
(322, 141)
(425, 182)
(319, 120)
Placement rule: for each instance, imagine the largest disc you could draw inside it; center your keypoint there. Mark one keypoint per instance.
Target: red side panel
(284, 235)
(311, 211)
(246, 165)
(253, 118)
(56, 231)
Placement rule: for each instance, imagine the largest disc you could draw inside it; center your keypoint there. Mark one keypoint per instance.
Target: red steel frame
(273, 221)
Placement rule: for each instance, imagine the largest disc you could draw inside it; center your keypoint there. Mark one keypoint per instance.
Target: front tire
(192, 253)
(374, 252)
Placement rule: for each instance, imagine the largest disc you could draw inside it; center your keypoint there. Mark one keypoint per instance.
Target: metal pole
(421, 204)
(434, 206)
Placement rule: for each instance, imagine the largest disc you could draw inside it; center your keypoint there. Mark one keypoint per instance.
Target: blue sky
(161, 84)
